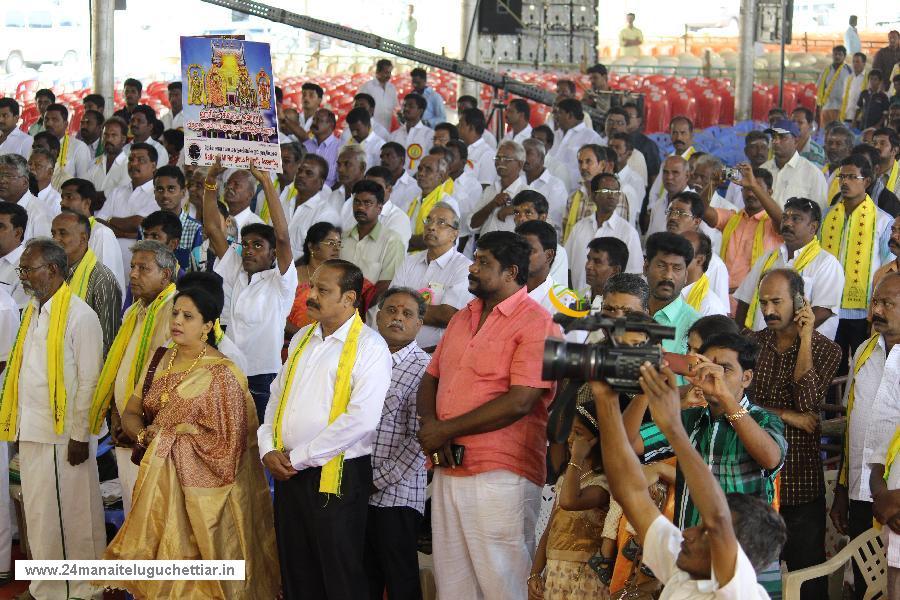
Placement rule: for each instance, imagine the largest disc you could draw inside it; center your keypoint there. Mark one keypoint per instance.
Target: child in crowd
(560, 569)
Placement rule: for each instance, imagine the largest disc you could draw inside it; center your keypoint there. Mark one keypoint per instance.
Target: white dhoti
(63, 513)
(128, 474)
(5, 512)
(483, 534)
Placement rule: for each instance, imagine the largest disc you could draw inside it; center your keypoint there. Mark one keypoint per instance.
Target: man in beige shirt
(630, 38)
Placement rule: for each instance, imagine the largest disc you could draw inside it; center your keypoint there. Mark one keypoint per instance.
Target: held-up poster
(229, 103)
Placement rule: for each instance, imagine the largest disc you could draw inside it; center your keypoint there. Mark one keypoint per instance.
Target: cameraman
(739, 535)
(794, 368)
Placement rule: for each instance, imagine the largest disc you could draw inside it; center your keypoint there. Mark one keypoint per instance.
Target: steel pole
(102, 50)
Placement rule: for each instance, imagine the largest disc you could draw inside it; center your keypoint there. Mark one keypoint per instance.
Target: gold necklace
(164, 399)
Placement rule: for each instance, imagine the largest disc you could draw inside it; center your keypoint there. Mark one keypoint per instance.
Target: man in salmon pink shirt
(483, 390)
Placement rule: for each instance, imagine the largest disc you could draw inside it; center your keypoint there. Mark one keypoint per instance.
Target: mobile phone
(457, 450)
(681, 364)
(798, 301)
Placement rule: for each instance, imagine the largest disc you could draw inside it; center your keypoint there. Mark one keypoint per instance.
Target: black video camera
(619, 366)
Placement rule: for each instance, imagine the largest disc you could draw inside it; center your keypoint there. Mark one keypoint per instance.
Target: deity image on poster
(229, 103)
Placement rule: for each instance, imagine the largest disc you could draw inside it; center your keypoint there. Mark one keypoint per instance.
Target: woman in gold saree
(201, 492)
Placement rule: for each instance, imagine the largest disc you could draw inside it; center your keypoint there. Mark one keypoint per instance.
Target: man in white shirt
(302, 443)
(616, 124)
(466, 187)
(14, 188)
(440, 274)
(375, 249)
(74, 156)
(312, 202)
(391, 217)
(434, 182)
(685, 214)
(737, 534)
(592, 161)
(529, 205)
(681, 131)
(603, 223)
(359, 124)
(883, 480)
(699, 294)
(575, 136)
(853, 88)
(362, 100)
(40, 165)
(13, 222)
(707, 175)
(541, 236)
(674, 177)
(539, 179)
(77, 195)
(471, 129)
(517, 116)
(90, 131)
(128, 204)
(464, 103)
(12, 139)
(383, 92)
(623, 146)
(260, 282)
(57, 453)
(795, 176)
(830, 86)
(141, 125)
(870, 396)
(495, 212)
(823, 276)
(110, 169)
(413, 135)
(351, 168)
(174, 119)
(393, 157)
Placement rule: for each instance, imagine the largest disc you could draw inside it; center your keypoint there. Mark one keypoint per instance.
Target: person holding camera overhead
(794, 368)
(483, 390)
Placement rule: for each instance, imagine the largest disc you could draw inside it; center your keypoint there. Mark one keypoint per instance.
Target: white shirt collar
(14, 254)
(441, 260)
(340, 333)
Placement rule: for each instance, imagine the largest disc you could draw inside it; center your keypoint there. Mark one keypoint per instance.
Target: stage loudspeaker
(494, 18)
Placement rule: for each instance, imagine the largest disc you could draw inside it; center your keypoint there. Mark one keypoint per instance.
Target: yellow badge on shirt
(414, 151)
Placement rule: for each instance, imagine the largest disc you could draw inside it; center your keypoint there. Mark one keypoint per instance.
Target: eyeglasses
(677, 212)
(332, 243)
(26, 271)
(606, 192)
(843, 177)
(439, 223)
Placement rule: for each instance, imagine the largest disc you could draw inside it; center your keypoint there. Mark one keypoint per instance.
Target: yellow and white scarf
(845, 100)
(857, 260)
(330, 481)
(106, 384)
(863, 357)
(824, 93)
(56, 340)
(63, 157)
(698, 292)
(806, 256)
(82, 275)
(421, 207)
(758, 236)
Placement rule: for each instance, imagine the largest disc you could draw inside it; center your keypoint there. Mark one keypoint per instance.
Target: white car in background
(36, 33)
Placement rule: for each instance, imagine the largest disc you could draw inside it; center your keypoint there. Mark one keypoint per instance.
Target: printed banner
(229, 103)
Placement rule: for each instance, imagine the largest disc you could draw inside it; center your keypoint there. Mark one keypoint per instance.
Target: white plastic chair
(867, 551)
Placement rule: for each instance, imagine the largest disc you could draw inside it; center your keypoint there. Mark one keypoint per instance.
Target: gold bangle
(571, 464)
(210, 186)
(141, 436)
(738, 415)
(533, 575)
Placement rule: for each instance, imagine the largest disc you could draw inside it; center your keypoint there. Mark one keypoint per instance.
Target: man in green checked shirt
(743, 444)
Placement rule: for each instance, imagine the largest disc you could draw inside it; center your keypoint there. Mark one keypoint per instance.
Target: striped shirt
(105, 297)
(191, 237)
(722, 449)
(398, 465)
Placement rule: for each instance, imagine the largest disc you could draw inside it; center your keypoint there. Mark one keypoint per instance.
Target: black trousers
(321, 539)
(392, 560)
(850, 334)
(860, 521)
(805, 546)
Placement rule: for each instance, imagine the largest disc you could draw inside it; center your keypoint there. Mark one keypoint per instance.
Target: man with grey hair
(351, 167)
(440, 274)
(48, 403)
(14, 188)
(707, 174)
(397, 502)
(539, 179)
(495, 211)
(145, 328)
(434, 181)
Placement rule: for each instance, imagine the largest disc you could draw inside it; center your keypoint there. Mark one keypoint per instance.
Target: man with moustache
(592, 160)
(316, 439)
(495, 212)
(483, 390)
(397, 500)
(110, 169)
(794, 368)
(539, 179)
(823, 277)
(324, 143)
(674, 180)
(665, 267)
(794, 176)
(681, 130)
(291, 155)
(434, 184)
(312, 202)
(838, 144)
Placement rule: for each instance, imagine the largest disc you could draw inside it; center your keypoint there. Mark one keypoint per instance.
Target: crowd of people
(318, 370)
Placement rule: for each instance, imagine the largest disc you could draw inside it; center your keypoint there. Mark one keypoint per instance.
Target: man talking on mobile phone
(794, 368)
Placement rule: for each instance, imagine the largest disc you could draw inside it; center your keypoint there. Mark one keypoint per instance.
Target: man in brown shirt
(793, 371)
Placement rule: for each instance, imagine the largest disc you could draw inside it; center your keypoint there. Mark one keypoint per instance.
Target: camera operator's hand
(604, 393)
(663, 396)
(710, 378)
